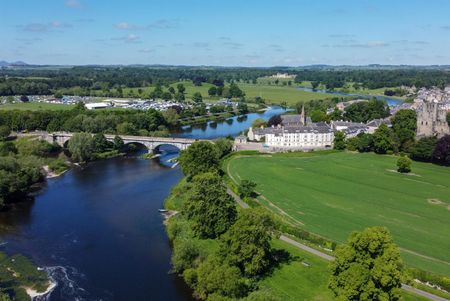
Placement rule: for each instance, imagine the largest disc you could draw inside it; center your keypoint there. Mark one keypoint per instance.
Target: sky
(226, 33)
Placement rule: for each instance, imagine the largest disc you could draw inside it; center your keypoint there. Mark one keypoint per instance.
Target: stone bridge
(151, 143)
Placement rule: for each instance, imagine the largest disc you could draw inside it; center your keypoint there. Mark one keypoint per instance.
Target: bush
(246, 188)
(185, 252)
(404, 165)
(4, 132)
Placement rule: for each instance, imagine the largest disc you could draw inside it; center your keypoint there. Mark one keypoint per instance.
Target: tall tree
(423, 149)
(81, 147)
(384, 140)
(339, 141)
(368, 267)
(209, 207)
(247, 243)
(404, 124)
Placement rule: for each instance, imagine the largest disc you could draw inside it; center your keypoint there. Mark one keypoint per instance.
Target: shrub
(404, 165)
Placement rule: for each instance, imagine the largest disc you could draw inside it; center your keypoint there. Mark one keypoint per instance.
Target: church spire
(302, 115)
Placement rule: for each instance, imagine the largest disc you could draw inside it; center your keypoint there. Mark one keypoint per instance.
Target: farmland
(332, 194)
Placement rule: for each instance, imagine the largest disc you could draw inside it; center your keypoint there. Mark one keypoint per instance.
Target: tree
(242, 108)
(404, 124)
(24, 98)
(339, 141)
(404, 165)
(118, 143)
(224, 147)
(423, 149)
(368, 267)
(181, 89)
(448, 118)
(81, 147)
(126, 128)
(4, 132)
(246, 188)
(216, 278)
(318, 116)
(209, 207)
(171, 90)
(166, 96)
(274, 120)
(441, 154)
(259, 122)
(384, 140)
(197, 97)
(315, 84)
(171, 116)
(100, 143)
(212, 91)
(58, 95)
(247, 243)
(365, 143)
(199, 157)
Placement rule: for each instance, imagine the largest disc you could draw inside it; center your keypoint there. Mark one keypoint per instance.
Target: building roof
(287, 119)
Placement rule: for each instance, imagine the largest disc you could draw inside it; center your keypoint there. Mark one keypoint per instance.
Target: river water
(97, 229)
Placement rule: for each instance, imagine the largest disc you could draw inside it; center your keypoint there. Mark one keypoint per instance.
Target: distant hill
(9, 64)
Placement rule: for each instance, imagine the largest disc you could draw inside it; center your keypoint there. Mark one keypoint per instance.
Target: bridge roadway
(151, 143)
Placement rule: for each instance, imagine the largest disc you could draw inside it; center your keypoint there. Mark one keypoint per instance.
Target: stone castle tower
(432, 119)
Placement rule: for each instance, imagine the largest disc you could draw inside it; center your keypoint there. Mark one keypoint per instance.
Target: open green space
(305, 277)
(333, 194)
(34, 106)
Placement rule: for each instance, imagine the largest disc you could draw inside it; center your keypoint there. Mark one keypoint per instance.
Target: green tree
(212, 91)
(242, 108)
(200, 157)
(368, 267)
(404, 124)
(423, 149)
(339, 141)
(404, 165)
(4, 132)
(246, 188)
(217, 278)
(118, 143)
(315, 84)
(181, 89)
(171, 116)
(126, 128)
(185, 253)
(81, 147)
(197, 97)
(100, 143)
(209, 207)
(384, 140)
(58, 95)
(224, 146)
(448, 118)
(318, 116)
(247, 243)
(259, 122)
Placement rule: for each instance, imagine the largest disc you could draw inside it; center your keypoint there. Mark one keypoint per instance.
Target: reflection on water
(230, 127)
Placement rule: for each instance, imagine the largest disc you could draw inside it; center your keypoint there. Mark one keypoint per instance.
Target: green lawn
(34, 106)
(297, 281)
(336, 193)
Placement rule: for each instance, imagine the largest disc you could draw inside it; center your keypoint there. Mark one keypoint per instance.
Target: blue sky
(226, 33)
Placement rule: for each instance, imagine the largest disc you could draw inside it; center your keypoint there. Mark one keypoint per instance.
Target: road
(327, 257)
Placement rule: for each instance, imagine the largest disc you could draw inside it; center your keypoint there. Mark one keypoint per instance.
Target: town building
(432, 107)
(299, 137)
(97, 105)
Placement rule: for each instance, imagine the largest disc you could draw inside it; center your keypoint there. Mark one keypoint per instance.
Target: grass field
(333, 194)
(296, 281)
(34, 106)
(271, 93)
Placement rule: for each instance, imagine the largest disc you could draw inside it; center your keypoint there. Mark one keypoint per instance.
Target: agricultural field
(34, 106)
(334, 193)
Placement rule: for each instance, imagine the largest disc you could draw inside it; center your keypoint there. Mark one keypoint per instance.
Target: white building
(97, 105)
(300, 137)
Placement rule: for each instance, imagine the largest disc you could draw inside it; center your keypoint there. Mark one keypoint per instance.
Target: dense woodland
(45, 81)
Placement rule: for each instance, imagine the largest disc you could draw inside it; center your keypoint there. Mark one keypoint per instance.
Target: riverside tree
(200, 157)
(368, 267)
(209, 207)
(81, 147)
(247, 243)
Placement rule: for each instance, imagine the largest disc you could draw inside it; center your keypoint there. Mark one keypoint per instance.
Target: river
(97, 229)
